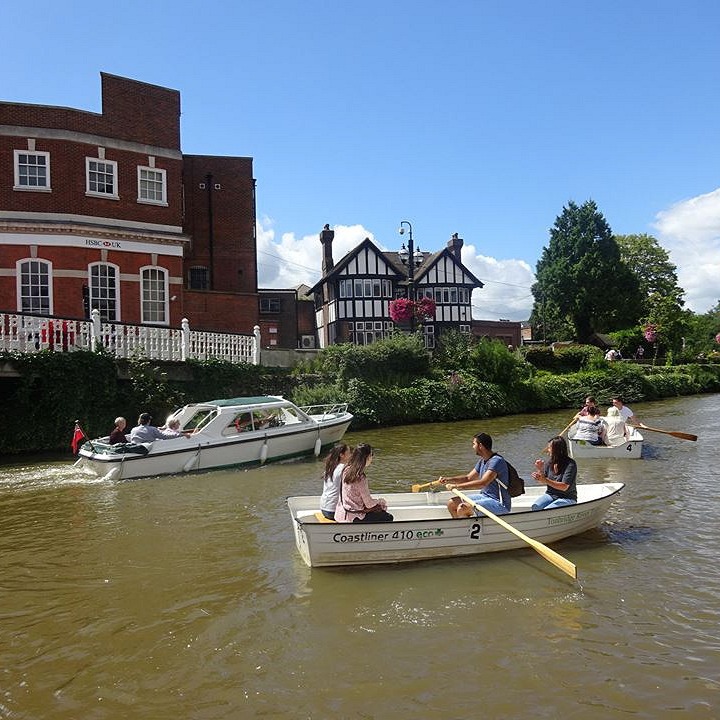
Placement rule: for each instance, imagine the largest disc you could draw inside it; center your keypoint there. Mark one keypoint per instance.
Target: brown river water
(184, 597)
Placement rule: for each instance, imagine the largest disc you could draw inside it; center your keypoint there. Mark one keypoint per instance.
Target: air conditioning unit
(307, 342)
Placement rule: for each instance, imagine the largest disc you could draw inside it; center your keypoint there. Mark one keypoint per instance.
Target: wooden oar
(418, 488)
(567, 427)
(674, 433)
(550, 555)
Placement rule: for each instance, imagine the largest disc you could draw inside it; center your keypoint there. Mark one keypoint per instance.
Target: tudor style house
(352, 299)
(104, 211)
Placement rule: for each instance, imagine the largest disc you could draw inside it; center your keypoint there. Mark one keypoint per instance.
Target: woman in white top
(332, 477)
(615, 428)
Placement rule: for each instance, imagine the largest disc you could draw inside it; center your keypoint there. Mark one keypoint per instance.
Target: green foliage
(564, 358)
(454, 350)
(655, 273)
(581, 280)
(399, 359)
(425, 400)
(54, 390)
(492, 362)
(540, 356)
(627, 341)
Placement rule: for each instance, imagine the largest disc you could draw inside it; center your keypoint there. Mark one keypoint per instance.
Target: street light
(409, 256)
(412, 258)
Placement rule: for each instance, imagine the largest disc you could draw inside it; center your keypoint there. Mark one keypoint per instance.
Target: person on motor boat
(144, 432)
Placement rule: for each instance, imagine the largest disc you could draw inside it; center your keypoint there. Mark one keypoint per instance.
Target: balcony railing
(33, 333)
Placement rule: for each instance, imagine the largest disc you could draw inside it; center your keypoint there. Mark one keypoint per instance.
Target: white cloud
(690, 232)
(506, 293)
(291, 261)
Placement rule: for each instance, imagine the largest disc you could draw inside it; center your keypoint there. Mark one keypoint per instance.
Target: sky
(478, 117)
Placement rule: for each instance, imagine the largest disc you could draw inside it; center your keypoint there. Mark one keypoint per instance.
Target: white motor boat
(223, 433)
(423, 529)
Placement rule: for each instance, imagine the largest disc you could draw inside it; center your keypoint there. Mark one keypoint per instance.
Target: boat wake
(43, 475)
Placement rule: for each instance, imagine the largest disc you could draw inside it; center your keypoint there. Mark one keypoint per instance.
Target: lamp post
(412, 258)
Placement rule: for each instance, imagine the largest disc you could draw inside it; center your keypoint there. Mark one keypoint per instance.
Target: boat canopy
(258, 400)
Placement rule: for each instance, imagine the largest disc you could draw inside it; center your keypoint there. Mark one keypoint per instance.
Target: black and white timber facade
(352, 298)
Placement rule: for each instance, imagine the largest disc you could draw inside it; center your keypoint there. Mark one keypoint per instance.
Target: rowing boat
(423, 529)
(630, 449)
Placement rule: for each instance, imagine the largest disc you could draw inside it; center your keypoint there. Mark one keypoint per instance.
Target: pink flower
(651, 333)
(717, 338)
(403, 310)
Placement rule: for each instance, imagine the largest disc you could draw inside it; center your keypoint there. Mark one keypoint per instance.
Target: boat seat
(321, 518)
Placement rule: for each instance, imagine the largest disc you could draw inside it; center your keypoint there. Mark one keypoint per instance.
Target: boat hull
(423, 529)
(629, 450)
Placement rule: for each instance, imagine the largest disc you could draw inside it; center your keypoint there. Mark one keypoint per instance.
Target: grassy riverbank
(392, 382)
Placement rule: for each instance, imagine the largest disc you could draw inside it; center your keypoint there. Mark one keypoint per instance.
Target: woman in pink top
(355, 503)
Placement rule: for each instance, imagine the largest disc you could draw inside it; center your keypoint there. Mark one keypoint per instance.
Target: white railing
(33, 333)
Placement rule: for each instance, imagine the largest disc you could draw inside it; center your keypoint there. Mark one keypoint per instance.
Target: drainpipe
(209, 189)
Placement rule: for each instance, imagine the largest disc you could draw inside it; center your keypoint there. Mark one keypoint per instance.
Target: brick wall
(231, 201)
(132, 110)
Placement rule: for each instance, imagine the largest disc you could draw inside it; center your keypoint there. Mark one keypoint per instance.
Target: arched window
(154, 295)
(105, 290)
(34, 286)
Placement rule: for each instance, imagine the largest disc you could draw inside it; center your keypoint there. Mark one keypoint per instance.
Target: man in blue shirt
(144, 432)
(488, 479)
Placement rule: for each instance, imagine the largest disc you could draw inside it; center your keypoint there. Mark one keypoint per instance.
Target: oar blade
(684, 436)
(550, 555)
(556, 559)
(674, 433)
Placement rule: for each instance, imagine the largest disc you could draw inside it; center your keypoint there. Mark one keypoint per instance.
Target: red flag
(77, 438)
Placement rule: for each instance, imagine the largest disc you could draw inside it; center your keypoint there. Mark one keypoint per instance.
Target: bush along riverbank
(391, 382)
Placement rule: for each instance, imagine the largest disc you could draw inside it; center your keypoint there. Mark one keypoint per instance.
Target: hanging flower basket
(425, 309)
(651, 333)
(403, 310)
(717, 338)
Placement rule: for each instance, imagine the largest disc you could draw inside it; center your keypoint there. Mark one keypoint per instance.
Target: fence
(33, 333)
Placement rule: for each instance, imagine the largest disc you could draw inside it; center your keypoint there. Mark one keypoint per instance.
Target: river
(184, 597)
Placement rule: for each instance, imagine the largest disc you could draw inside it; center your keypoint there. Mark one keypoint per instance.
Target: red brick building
(104, 211)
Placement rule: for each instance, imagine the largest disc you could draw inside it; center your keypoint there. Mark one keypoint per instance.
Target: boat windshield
(200, 419)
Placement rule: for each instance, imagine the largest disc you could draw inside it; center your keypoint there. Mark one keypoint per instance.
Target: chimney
(455, 244)
(326, 238)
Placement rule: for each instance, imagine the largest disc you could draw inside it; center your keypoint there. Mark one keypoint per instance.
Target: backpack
(516, 485)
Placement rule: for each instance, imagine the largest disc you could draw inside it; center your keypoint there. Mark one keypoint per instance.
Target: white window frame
(163, 301)
(94, 299)
(19, 286)
(97, 193)
(32, 188)
(163, 185)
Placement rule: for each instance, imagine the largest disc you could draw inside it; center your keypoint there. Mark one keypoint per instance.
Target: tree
(650, 263)
(582, 284)
(662, 297)
(701, 332)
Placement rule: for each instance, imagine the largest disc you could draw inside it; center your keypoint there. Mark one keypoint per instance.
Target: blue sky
(481, 117)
